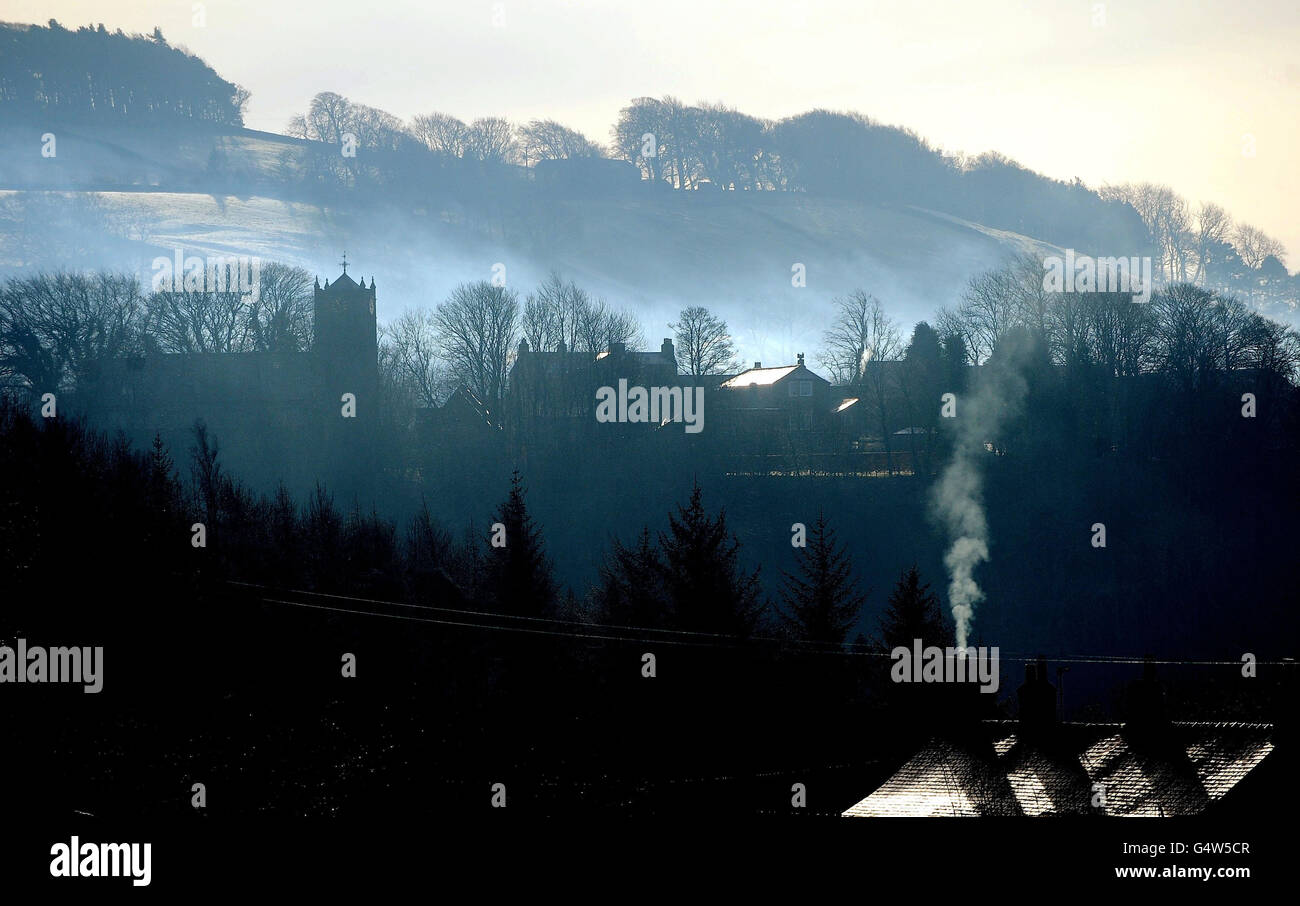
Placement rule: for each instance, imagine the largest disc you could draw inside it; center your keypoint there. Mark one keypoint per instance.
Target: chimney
(523, 347)
(1037, 698)
(667, 348)
(1146, 700)
(617, 348)
(799, 359)
(758, 364)
(1060, 692)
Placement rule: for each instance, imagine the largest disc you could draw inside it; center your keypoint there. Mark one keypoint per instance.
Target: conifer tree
(631, 590)
(521, 575)
(162, 479)
(822, 602)
(707, 589)
(913, 613)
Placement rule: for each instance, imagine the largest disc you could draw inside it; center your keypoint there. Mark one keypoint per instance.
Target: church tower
(345, 343)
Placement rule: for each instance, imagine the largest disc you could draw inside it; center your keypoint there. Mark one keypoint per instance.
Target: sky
(1202, 95)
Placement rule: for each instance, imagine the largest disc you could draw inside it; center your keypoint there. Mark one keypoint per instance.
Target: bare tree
(56, 328)
(282, 310)
(1119, 333)
(670, 131)
(860, 333)
(440, 133)
(678, 127)
(729, 147)
(550, 140)
(1167, 218)
(989, 307)
(1254, 245)
(412, 351)
(705, 343)
(201, 321)
(477, 326)
(639, 135)
(545, 314)
(602, 327)
(561, 312)
(860, 350)
(621, 326)
(326, 119)
(538, 323)
(490, 140)
(1068, 329)
(1213, 225)
(378, 130)
(1273, 348)
(1185, 343)
(331, 119)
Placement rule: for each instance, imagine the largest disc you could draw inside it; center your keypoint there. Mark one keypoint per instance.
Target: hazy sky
(1175, 91)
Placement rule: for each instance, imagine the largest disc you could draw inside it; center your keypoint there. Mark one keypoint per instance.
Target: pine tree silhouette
(913, 613)
(822, 603)
(521, 575)
(631, 590)
(162, 479)
(705, 585)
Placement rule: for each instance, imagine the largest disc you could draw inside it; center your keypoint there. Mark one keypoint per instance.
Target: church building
(296, 416)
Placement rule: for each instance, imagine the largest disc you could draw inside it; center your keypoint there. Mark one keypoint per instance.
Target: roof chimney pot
(1037, 698)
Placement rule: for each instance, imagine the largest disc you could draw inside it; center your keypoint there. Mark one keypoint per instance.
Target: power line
(732, 640)
(721, 640)
(467, 625)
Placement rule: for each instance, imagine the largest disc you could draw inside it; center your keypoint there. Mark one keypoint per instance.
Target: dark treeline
(500, 671)
(712, 147)
(57, 330)
(849, 155)
(522, 681)
(482, 173)
(97, 76)
(1124, 379)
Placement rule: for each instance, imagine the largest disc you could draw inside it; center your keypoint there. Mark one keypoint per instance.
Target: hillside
(125, 196)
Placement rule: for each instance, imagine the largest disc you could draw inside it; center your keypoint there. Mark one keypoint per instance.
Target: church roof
(345, 284)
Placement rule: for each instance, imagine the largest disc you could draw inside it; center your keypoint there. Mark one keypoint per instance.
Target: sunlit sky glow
(1162, 90)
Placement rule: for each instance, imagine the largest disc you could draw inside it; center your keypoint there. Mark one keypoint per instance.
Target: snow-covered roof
(762, 377)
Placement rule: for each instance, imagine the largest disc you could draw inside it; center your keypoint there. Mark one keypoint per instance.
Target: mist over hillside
(117, 197)
(764, 222)
(710, 462)
(733, 256)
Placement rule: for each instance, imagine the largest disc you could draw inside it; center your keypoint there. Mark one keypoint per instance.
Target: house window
(801, 388)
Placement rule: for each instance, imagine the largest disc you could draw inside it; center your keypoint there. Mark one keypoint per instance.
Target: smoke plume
(995, 396)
